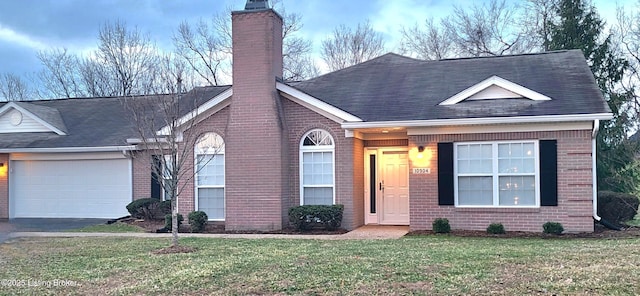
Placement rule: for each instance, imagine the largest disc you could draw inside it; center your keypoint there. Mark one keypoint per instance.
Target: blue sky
(27, 26)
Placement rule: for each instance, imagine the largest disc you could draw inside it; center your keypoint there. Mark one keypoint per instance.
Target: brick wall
(574, 208)
(216, 123)
(349, 159)
(4, 186)
(254, 185)
(141, 162)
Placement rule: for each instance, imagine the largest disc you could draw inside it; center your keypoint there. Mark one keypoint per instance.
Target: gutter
(70, 149)
(596, 128)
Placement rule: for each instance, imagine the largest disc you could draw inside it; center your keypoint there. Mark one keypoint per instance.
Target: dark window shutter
(548, 173)
(445, 174)
(156, 188)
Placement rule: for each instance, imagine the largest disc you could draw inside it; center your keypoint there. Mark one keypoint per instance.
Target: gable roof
(397, 88)
(92, 122)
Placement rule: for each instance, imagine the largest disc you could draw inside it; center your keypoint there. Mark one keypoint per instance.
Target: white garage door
(69, 188)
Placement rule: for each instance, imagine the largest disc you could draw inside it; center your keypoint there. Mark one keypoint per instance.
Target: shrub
(617, 207)
(441, 225)
(144, 208)
(165, 207)
(168, 221)
(496, 228)
(308, 217)
(552, 228)
(197, 220)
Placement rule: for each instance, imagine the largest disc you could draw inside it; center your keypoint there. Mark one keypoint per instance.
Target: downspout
(594, 173)
(605, 223)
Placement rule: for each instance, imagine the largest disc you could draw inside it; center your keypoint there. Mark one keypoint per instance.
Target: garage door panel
(70, 188)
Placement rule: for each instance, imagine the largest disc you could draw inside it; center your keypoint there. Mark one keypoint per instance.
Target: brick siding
(574, 208)
(4, 187)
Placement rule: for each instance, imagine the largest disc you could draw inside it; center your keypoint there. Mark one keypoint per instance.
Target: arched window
(209, 158)
(317, 168)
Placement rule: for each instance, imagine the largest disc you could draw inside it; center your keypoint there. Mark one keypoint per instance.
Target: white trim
(67, 156)
(497, 81)
(215, 101)
(502, 128)
(69, 149)
(370, 218)
(495, 174)
(323, 148)
(477, 121)
(315, 104)
(13, 105)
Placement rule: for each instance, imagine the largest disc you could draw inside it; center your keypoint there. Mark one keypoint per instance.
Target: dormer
(494, 88)
(22, 117)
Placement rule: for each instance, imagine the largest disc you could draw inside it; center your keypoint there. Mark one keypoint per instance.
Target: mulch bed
(217, 228)
(600, 232)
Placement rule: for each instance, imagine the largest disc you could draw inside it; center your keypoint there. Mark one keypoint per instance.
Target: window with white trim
(209, 158)
(317, 168)
(497, 174)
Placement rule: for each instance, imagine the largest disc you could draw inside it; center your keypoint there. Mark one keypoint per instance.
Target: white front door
(387, 186)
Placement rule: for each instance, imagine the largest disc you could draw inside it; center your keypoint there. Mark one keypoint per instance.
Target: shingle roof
(393, 87)
(93, 122)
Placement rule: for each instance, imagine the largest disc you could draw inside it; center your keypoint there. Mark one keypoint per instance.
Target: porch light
(420, 156)
(3, 170)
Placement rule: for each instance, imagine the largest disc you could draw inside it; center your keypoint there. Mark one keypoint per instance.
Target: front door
(387, 201)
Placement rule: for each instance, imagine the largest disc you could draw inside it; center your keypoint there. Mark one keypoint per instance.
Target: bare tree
(348, 47)
(14, 88)
(207, 47)
(487, 30)
(59, 78)
(167, 134)
(627, 34)
(128, 56)
(431, 43)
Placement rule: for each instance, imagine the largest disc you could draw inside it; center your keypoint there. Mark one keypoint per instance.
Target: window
(316, 168)
(160, 185)
(501, 174)
(209, 157)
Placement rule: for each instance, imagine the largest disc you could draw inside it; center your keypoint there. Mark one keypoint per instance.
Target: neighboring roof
(397, 88)
(47, 114)
(93, 122)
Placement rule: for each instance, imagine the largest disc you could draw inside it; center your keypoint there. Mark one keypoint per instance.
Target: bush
(145, 208)
(496, 228)
(197, 220)
(617, 207)
(168, 221)
(308, 217)
(441, 225)
(165, 207)
(552, 228)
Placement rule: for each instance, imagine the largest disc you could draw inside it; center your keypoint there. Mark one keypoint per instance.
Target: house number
(422, 170)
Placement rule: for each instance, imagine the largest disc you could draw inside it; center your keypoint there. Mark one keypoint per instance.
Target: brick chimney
(254, 144)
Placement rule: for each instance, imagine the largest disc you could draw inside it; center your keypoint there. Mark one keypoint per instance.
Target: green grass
(115, 227)
(427, 265)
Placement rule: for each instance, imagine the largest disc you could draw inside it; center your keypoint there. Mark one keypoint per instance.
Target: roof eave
(477, 121)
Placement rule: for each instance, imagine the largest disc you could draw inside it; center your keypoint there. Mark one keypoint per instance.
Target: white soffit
(495, 88)
(316, 105)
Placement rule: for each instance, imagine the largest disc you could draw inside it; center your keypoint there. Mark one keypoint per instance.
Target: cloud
(7, 35)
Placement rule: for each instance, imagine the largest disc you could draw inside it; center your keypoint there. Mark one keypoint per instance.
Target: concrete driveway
(43, 225)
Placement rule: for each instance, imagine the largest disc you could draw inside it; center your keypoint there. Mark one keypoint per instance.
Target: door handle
(381, 186)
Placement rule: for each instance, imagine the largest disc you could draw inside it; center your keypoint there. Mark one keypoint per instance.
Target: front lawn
(433, 265)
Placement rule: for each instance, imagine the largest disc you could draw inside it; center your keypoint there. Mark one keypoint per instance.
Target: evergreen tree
(578, 26)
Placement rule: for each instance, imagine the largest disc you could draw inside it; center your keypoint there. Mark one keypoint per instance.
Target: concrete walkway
(364, 232)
